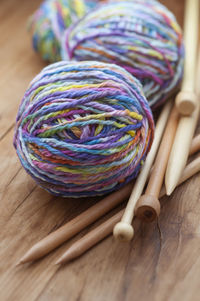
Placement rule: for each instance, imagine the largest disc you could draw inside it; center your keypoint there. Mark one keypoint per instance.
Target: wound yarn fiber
(83, 128)
(49, 22)
(141, 36)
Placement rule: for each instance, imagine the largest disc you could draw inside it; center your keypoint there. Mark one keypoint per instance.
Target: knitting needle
(124, 230)
(195, 147)
(90, 239)
(59, 236)
(148, 206)
(183, 138)
(180, 150)
(190, 170)
(56, 238)
(105, 229)
(186, 99)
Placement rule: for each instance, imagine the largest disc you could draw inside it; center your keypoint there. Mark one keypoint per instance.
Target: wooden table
(161, 263)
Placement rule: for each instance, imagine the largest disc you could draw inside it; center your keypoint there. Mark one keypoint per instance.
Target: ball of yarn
(83, 128)
(49, 22)
(141, 36)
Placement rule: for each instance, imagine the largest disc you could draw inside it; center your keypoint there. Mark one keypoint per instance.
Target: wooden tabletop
(161, 263)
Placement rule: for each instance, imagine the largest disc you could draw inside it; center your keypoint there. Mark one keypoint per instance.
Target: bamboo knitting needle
(105, 229)
(180, 150)
(195, 147)
(124, 230)
(59, 236)
(186, 99)
(181, 146)
(148, 206)
(90, 239)
(56, 238)
(190, 170)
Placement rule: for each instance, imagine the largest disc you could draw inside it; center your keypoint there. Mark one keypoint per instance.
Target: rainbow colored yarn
(141, 36)
(83, 128)
(50, 21)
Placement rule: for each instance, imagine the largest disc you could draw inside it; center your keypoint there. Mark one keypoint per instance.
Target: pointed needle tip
(19, 263)
(63, 260)
(169, 190)
(23, 260)
(170, 186)
(58, 262)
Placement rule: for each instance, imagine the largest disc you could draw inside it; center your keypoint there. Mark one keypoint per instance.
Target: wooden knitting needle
(195, 147)
(190, 170)
(180, 150)
(186, 99)
(90, 239)
(67, 231)
(181, 146)
(124, 230)
(105, 229)
(56, 238)
(148, 206)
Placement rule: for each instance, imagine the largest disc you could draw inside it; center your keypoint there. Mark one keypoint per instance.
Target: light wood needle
(186, 99)
(181, 146)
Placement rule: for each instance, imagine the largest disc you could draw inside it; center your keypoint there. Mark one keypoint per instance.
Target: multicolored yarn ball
(141, 36)
(83, 128)
(50, 21)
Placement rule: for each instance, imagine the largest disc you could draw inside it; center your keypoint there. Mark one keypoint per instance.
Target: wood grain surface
(161, 263)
